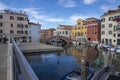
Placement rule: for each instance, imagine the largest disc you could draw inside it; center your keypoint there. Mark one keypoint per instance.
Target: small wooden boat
(76, 75)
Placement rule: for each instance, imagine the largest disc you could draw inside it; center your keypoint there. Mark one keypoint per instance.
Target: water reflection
(55, 65)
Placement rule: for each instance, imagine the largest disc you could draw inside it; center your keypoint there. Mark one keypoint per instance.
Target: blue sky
(50, 13)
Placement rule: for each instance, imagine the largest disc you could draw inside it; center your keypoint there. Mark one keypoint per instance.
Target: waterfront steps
(37, 47)
(3, 61)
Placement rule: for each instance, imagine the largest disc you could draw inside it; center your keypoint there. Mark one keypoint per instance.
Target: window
(118, 35)
(114, 40)
(110, 40)
(11, 25)
(60, 32)
(102, 40)
(1, 16)
(26, 26)
(66, 32)
(78, 33)
(63, 32)
(110, 25)
(110, 18)
(78, 27)
(20, 18)
(19, 32)
(103, 26)
(103, 32)
(103, 20)
(26, 32)
(1, 24)
(26, 19)
(110, 32)
(79, 23)
(95, 26)
(115, 17)
(18, 25)
(11, 17)
(114, 35)
(11, 31)
(1, 31)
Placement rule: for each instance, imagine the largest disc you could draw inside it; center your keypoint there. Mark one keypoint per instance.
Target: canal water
(55, 65)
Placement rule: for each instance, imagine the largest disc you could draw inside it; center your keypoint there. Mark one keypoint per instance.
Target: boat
(76, 74)
(118, 49)
(112, 49)
(107, 45)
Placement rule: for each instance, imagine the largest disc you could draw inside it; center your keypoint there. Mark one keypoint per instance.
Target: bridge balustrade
(21, 68)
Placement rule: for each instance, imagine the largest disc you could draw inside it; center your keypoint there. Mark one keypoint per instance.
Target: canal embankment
(37, 47)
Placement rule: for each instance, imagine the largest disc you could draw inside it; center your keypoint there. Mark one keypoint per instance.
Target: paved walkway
(3, 61)
(36, 47)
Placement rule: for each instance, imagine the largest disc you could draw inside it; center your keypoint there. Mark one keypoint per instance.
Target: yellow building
(79, 31)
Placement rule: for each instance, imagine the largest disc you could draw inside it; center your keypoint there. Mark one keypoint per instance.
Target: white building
(34, 30)
(110, 28)
(63, 30)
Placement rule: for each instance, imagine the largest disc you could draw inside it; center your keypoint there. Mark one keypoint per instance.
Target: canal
(55, 65)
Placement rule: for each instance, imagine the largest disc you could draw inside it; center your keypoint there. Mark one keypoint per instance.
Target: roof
(65, 27)
(109, 12)
(32, 23)
(12, 12)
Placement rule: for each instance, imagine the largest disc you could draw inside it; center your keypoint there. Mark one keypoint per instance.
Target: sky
(51, 13)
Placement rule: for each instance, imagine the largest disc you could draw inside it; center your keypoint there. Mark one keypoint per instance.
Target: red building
(93, 29)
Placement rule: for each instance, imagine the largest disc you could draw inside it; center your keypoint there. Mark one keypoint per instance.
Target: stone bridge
(67, 40)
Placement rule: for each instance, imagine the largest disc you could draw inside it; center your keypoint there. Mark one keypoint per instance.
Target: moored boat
(76, 74)
(112, 49)
(118, 50)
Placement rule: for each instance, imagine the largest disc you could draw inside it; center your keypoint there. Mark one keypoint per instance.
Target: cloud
(89, 1)
(67, 3)
(107, 7)
(74, 17)
(2, 6)
(40, 15)
(112, 1)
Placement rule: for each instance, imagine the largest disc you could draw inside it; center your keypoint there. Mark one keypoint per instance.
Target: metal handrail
(100, 73)
(21, 68)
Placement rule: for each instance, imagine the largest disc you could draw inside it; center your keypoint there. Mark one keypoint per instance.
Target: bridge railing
(21, 68)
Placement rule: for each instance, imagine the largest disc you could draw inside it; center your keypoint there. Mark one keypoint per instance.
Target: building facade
(110, 27)
(63, 30)
(46, 33)
(14, 23)
(34, 30)
(79, 31)
(93, 29)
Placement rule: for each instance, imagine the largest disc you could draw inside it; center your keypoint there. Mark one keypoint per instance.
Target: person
(4, 38)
